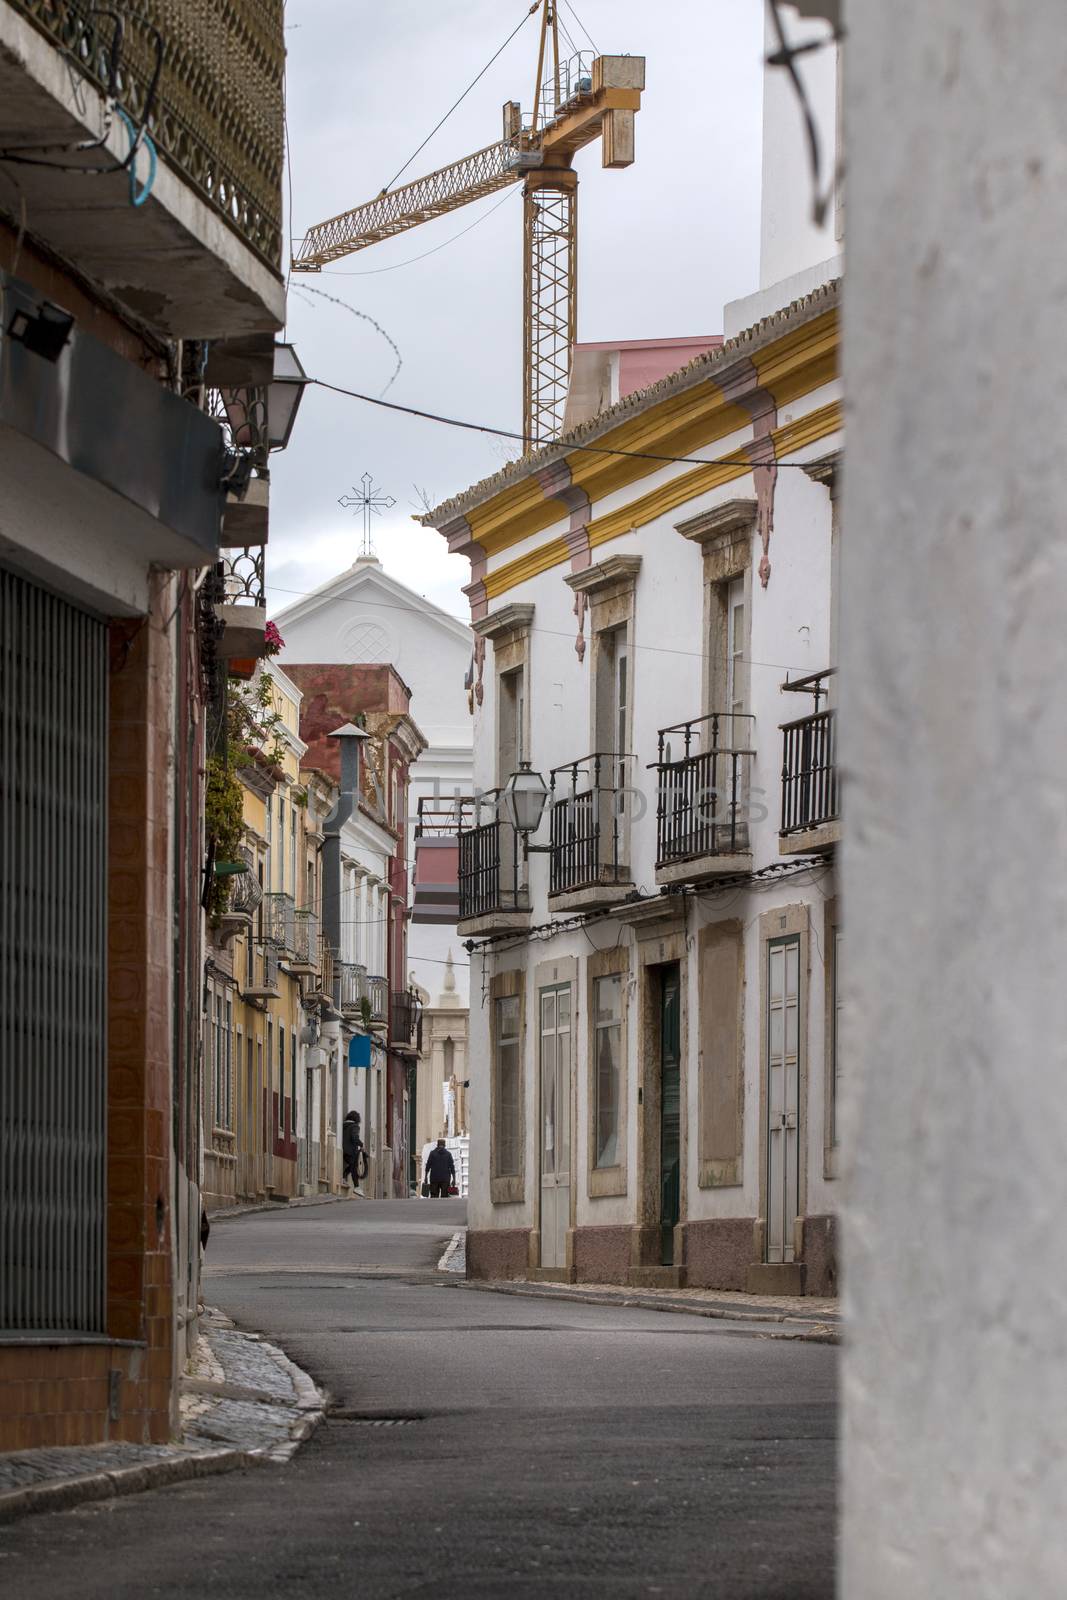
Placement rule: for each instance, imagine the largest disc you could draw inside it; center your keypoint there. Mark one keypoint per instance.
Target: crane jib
(446, 190)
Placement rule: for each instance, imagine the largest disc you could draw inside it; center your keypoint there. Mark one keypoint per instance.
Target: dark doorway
(670, 1114)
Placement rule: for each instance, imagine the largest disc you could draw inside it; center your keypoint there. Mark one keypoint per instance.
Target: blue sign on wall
(359, 1050)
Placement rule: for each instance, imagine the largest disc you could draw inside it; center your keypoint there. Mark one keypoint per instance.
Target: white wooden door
(783, 1095)
(555, 1058)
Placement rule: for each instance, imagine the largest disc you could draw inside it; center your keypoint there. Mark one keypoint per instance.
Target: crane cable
(535, 7)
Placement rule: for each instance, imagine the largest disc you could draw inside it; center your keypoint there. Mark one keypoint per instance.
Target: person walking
(352, 1150)
(440, 1171)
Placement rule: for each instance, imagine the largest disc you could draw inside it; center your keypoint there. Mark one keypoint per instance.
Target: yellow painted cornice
(551, 554)
(800, 362)
(795, 365)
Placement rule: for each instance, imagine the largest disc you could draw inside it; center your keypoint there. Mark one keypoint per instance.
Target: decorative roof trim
(702, 367)
(731, 518)
(613, 572)
(513, 618)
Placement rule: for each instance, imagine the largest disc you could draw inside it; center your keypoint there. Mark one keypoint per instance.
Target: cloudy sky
(662, 245)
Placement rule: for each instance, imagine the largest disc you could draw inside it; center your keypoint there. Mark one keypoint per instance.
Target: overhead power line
(462, 97)
(732, 458)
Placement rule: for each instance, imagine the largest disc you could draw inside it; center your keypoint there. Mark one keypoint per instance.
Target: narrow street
(538, 1448)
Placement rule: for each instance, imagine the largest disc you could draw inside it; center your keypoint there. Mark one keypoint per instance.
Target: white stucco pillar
(954, 739)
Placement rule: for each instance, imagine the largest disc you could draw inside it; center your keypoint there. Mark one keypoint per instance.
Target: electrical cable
(732, 458)
(582, 25)
(138, 196)
(557, 633)
(307, 288)
(462, 97)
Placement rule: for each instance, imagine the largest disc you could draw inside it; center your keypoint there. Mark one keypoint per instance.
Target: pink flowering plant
(272, 639)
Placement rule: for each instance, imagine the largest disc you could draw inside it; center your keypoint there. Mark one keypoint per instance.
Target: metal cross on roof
(371, 502)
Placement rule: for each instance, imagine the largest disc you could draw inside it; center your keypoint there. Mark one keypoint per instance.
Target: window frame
(604, 1181)
(507, 1188)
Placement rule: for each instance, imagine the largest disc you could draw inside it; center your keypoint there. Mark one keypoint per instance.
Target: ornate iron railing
(305, 939)
(349, 985)
(588, 822)
(491, 866)
(809, 772)
(378, 995)
(809, 758)
(279, 921)
(217, 116)
(325, 965)
(703, 791)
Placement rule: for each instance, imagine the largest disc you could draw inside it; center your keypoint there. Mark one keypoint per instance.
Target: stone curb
(309, 1408)
(788, 1325)
(66, 1492)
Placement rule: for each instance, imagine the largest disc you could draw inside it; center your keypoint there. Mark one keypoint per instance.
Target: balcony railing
(588, 822)
(702, 797)
(325, 985)
(279, 921)
(349, 986)
(809, 772)
(264, 983)
(217, 112)
(491, 865)
(378, 995)
(405, 1017)
(438, 817)
(306, 940)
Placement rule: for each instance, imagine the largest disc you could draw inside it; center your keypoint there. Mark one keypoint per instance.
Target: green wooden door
(670, 1139)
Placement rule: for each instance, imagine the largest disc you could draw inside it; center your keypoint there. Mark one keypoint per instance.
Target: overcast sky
(662, 245)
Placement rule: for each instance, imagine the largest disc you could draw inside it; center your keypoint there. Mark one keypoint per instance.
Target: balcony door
(554, 1054)
(783, 1095)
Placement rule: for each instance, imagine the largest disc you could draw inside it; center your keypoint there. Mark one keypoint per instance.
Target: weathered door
(555, 1058)
(783, 1095)
(670, 1109)
(309, 1143)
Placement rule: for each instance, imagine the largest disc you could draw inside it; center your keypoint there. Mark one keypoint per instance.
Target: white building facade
(655, 1070)
(366, 617)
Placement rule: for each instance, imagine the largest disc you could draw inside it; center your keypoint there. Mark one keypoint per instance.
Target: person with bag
(440, 1172)
(355, 1161)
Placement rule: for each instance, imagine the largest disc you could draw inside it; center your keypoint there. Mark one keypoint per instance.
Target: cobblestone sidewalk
(243, 1403)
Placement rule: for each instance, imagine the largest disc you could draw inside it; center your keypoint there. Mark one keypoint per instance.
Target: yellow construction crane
(577, 100)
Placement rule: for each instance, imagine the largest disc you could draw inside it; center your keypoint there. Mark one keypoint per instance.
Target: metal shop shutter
(53, 940)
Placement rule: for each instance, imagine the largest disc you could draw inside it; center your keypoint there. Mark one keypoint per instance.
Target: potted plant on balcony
(224, 825)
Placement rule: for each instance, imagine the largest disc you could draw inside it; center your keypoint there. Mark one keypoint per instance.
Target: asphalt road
(536, 1448)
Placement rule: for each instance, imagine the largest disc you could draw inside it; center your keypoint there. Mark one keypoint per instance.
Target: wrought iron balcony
(405, 1018)
(439, 818)
(326, 963)
(378, 994)
(492, 871)
(810, 804)
(702, 796)
(349, 986)
(305, 941)
(279, 921)
(208, 81)
(588, 808)
(264, 985)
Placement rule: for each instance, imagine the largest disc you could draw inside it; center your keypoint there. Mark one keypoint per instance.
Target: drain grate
(361, 1419)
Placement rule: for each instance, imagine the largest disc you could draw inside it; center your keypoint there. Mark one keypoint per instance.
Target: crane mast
(575, 102)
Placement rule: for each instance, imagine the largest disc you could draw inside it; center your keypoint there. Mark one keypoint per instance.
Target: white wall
(955, 742)
(790, 636)
(367, 617)
(790, 239)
